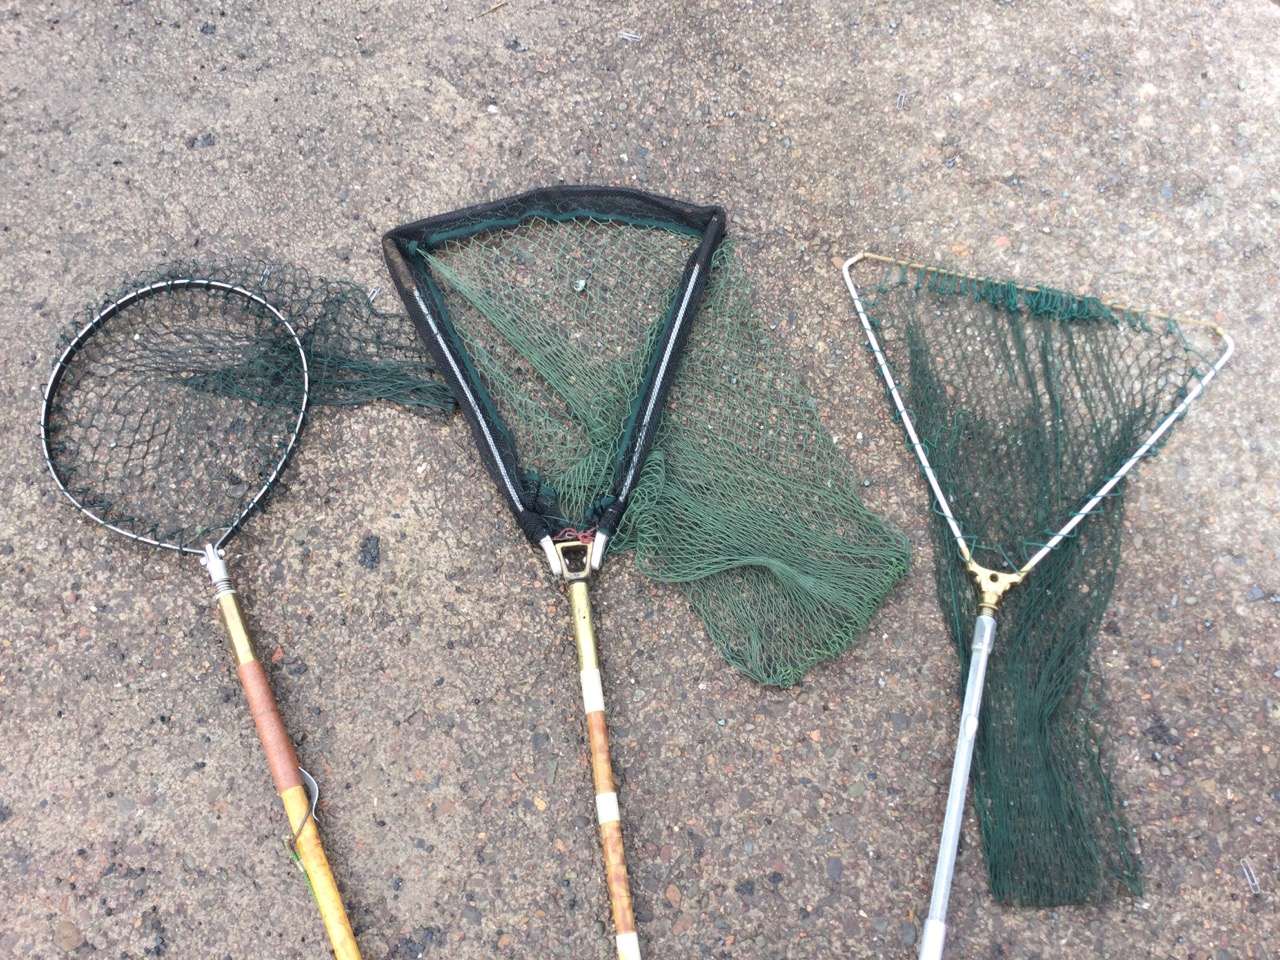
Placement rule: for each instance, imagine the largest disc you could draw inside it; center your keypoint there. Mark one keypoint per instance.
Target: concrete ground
(1129, 148)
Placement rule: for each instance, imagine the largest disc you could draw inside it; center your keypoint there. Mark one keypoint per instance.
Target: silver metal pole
(935, 926)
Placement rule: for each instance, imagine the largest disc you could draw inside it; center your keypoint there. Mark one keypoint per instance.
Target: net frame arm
(992, 585)
(426, 305)
(99, 320)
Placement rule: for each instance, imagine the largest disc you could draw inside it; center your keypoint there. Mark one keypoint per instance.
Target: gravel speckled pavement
(1129, 148)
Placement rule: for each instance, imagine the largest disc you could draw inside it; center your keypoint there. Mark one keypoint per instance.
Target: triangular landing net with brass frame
(1027, 408)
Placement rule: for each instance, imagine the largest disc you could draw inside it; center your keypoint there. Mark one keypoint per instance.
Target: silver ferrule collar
(984, 633)
(217, 568)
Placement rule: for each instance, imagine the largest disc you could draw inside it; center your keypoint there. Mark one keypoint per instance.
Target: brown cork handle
(276, 744)
(283, 761)
(615, 858)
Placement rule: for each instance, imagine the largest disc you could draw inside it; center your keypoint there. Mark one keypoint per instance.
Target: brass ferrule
(992, 585)
(575, 561)
(237, 632)
(583, 628)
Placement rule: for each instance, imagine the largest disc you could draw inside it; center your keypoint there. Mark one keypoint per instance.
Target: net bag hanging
(599, 343)
(1027, 407)
(750, 508)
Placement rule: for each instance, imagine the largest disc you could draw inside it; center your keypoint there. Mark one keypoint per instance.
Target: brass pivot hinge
(992, 585)
(575, 560)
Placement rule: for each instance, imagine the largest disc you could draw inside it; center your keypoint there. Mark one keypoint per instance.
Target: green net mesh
(357, 353)
(744, 502)
(178, 395)
(166, 422)
(1026, 401)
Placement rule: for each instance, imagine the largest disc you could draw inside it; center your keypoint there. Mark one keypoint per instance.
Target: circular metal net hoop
(172, 411)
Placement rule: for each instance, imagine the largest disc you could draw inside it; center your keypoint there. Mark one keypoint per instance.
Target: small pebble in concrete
(370, 552)
(67, 936)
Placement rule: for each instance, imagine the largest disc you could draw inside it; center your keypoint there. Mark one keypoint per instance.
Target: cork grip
(615, 859)
(266, 717)
(601, 765)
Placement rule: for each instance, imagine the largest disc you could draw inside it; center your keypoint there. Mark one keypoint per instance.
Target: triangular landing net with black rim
(551, 247)
(1027, 408)
(602, 345)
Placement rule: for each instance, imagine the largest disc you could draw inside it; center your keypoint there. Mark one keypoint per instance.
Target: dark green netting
(1026, 401)
(745, 502)
(167, 424)
(356, 352)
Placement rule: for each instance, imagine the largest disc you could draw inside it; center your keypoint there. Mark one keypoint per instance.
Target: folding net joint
(992, 584)
(575, 559)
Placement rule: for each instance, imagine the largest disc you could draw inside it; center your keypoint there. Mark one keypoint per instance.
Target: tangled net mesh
(1026, 401)
(745, 502)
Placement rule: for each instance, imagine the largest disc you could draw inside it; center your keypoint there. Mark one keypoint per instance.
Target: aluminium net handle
(935, 926)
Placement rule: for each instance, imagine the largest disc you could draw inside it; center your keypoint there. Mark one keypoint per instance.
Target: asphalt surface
(1128, 149)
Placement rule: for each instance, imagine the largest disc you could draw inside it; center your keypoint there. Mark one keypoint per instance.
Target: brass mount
(575, 560)
(992, 585)
(575, 565)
